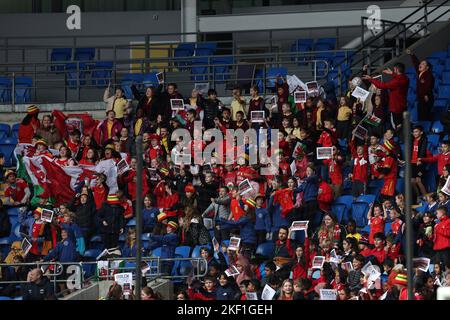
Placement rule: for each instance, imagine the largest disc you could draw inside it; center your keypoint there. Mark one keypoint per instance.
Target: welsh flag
(81, 121)
(373, 120)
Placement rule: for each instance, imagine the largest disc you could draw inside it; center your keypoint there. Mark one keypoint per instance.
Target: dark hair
(255, 88)
(360, 258)
(400, 66)
(191, 112)
(28, 117)
(212, 91)
(444, 209)
(270, 265)
(240, 112)
(380, 235)
(418, 127)
(184, 293)
(76, 132)
(388, 262)
(173, 84)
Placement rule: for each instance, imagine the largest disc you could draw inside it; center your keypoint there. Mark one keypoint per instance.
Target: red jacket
(326, 138)
(360, 169)
(442, 234)
(425, 81)
(298, 270)
(398, 91)
(26, 132)
(442, 159)
(115, 130)
(325, 197)
(166, 201)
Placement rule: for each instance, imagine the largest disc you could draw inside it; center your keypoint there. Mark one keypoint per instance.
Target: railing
(76, 276)
(368, 48)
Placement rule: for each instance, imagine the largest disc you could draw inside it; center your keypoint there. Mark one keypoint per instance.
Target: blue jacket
(76, 235)
(277, 220)
(128, 252)
(149, 217)
(247, 226)
(65, 251)
(167, 242)
(263, 221)
(310, 188)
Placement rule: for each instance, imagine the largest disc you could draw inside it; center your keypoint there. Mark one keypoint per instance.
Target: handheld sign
(323, 153)
(422, 263)
(125, 280)
(257, 116)
(318, 262)
(177, 104)
(232, 271)
(299, 225)
(202, 87)
(360, 93)
(300, 96)
(251, 296)
(360, 132)
(122, 167)
(26, 246)
(245, 187)
(47, 215)
(208, 223)
(160, 77)
(234, 243)
(268, 293)
(328, 294)
(313, 87)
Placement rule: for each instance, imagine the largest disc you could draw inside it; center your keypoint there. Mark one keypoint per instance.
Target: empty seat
(433, 141)
(15, 130)
(127, 80)
(359, 213)
(184, 50)
(205, 48)
(7, 146)
(5, 89)
(84, 54)
(369, 198)
(438, 70)
(91, 254)
(446, 77)
(444, 92)
(60, 55)
(221, 67)
(4, 130)
(150, 80)
(400, 185)
(199, 69)
(265, 249)
(22, 89)
(101, 73)
(437, 127)
(76, 74)
(272, 73)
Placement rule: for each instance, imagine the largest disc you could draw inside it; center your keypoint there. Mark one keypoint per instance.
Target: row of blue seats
(22, 89)
(7, 146)
(65, 55)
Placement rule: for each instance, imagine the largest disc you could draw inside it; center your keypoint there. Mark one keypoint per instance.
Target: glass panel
(14, 6)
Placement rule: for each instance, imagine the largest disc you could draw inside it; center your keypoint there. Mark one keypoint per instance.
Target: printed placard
(360, 94)
(446, 188)
(251, 296)
(202, 87)
(257, 116)
(422, 263)
(360, 132)
(323, 153)
(122, 166)
(273, 103)
(47, 215)
(293, 167)
(153, 174)
(125, 280)
(195, 169)
(102, 268)
(328, 294)
(318, 262)
(268, 293)
(245, 187)
(215, 243)
(160, 77)
(313, 87)
(347, 266)
(182, 159)
(367, 268)
(232, 271)
(300, 96)
(299, 225)
(26, 246)
(234, 243)
(177, 104)
(209, 224)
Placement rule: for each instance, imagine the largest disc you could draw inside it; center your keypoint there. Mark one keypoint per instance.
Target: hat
(9, 172)
(162, 216)
(112, 199)
(401, 279)
(110, 146)
(164, 171)
(41, 141)
(189, 188)
(388, 146)
(32, 109)
(364, 240)
(172, 225)
(38, 211)
(154, 136)
(250, 202)
(84, 193)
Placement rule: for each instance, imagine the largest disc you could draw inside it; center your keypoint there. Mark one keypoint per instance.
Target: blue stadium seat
(150, 80)
(196, 251)
(271, 74)
(323, 44)
(221, 67)
(439, 55)
(60, 55)
(7, 146)
(84, 54)
(433, 141)
(369, 198)
(199, 69)
(5, 298)
(91, 254)
(306, 43)
(96, 242)
(183, 251)
(22, 88)
(339, 210)
(265, 249)
(156, 252)
(225, 243)
(447, 64)
(400, 185)
(183, 53)
(101, 73)
(387, 227)
(438, 71)
(127, 80)
(15, 130)
(426, 125)
(76, 73)
(444, 92)
(5, 246)
(205, 48)
(437, 127)
(4, 130)
(5, 89)
(359, 213)
(131, 223)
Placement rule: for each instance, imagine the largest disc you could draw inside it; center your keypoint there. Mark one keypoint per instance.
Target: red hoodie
(442, 234)
(398, 91)
(325, 197)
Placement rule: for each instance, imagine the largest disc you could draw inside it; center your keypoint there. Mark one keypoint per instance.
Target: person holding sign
(398, 91)
(343, 119)
(302, 259)
(256, 103)
(283, 252)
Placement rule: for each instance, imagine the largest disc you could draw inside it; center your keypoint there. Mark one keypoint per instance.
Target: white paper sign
(360, 93)
(232, 271)
(360, 132)
(348, 266)
(294, 83)
(446, 188)
(313, 87)
(257, 116)
(293, 168)
(177, 104)
(422, 263)
(202, 87)
(160, 77)
(122, 166)
(328, 294)
(323, 153)
(251, 296)
(300, 96)
(268, 293)
(209, 224)
(125, 280)
(234, 243)
(318, 262)
(47, 215)
(26, 246)
(299, 225)
(245, 187)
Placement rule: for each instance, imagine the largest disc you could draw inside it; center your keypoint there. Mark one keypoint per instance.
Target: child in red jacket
(377, 218)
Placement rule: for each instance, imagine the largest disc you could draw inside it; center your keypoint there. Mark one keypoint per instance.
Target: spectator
(442, 236)
(29, 125)
(111, 221)
(48, 131)
(117, 103)
(37, 287)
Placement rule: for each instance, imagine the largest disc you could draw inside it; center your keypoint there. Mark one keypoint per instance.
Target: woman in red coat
(29, 125)
(300, 268)
(166, 198)
(442, 237)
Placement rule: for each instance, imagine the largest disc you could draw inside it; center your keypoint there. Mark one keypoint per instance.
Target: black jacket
(152, 108)
(205, 193)
(5, 225)
(113, 215)
(41, 291)
(84, 213)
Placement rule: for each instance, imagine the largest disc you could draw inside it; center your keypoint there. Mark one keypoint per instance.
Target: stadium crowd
(363, 253)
